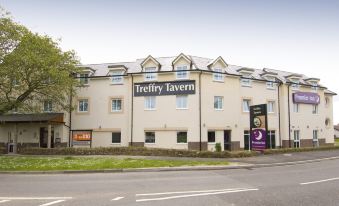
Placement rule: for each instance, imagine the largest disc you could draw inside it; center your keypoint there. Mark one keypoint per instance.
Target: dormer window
(295, 84)
(150, 74)
(117, 76)
(182, 72)
(83, 78)
(217, 75)
(270, 84)
(314, 86)
(246, 80)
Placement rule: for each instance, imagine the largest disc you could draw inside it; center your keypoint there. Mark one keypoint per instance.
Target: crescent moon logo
(259, 137)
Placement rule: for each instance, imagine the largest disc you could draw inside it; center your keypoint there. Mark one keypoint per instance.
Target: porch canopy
(56, 118)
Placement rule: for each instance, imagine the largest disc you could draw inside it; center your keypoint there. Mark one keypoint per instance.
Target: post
(49, 136)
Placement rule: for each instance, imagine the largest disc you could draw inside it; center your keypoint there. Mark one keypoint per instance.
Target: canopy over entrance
(57, 118)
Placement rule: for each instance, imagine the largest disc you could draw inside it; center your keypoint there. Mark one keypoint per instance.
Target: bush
(218, 147)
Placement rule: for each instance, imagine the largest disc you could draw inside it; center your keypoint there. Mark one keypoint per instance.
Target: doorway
(227, 140)
(44, 137)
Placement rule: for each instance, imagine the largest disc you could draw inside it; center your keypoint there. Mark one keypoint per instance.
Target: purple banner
(258, 139)
(306, 98)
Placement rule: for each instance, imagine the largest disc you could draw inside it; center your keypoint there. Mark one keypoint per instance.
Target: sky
(300, 36)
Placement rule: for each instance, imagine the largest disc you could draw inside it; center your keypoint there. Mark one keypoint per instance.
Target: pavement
(310, 184)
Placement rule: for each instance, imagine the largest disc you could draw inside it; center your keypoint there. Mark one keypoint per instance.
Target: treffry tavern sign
(164, 88)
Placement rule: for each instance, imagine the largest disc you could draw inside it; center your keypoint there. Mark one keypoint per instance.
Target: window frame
(208, 136)
(249, 105)
(79, 105)
(222, 103)
(152, 99)
(152, 74)
(117, 75)
(273, 106)
(218, 75)
(178, 132)
(84, 79)
(121, 104)
(315, 109)
(296, 107)
(118, 143)
(246, 80)
(153, 142)
(49, 106)
(179, 72)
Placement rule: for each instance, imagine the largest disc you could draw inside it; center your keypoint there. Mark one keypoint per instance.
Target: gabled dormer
(218, 67)
(181, 65)
(246, 76)
(294, 80)
(84, 74)
(314, 82)
(117, 73)
(151, 66)
(270, 77)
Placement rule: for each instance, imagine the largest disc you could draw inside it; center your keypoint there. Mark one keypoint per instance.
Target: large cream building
(180, 102)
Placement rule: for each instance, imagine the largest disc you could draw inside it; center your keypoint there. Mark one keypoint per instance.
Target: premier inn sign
(164, 88)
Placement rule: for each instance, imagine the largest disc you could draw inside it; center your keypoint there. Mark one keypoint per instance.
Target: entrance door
(227, 140)
(296, 139)
(44, 137)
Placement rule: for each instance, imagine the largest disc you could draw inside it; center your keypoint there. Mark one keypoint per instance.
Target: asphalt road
(305, 184)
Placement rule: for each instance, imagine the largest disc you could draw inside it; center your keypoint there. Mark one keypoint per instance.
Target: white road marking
(35, 198)
(319, 181)
(117, 198)
(3, 201)
(195, 195)
(52, 203)
(183, 192)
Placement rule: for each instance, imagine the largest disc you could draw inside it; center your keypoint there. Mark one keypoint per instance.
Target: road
(305, 184)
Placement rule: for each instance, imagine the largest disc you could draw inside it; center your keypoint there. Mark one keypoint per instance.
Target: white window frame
(245, 80)
(218, 76)
(83, 78)
(296, 107)
(112, 104)
(247, 108)
(295, 85)
(271, 83)
(314, 86)
(181, 102)
(81, 104)
(181, 72)
(150, 103)
(186, 137)
(315, 109)
(116, 77)
(296, 138)
(49, 105)
(218, 102)
(315, 138)
(271, 107)
(150, 73)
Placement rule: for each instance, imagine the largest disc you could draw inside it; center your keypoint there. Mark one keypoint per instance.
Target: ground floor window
(149, 137)
(270, 139)
(181, 137)
(296, 135)
(211, 136)
(116, 137)
(315, 138)
(246, 139)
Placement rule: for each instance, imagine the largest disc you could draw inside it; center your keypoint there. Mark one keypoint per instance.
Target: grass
(337, 142)
(26, 163)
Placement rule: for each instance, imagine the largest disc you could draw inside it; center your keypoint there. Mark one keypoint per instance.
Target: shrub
(218, 147)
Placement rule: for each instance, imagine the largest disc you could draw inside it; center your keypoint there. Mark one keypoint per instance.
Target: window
(246, 139)
(296, 138)
(271, 139)
(218, 76)
(218, 103)
(181, 137)
(295, 107)
(270, 106)
(83, 105)
(314, 86)
(84, 79)
(149, 137)
(270, 84)
(314, 109)
(328, 122)
(246, 105)
(181, 101)
(150, 74)
(150, 103)
(295, 84)
(315, 138)
(48, 106)
(211, 136)
(116, 137)
(182, 72)
(116, 105)
(117, 77)
(246, 80)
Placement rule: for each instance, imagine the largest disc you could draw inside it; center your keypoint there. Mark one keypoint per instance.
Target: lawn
(29, 163)
(337, 142)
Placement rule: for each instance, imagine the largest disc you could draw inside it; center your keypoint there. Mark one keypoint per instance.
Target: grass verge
(25, 163)
(336, 142)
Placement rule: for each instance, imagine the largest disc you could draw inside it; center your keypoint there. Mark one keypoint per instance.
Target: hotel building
(180, 102)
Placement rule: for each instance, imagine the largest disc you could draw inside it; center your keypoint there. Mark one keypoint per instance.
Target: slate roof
(199, 63)
(41, 117)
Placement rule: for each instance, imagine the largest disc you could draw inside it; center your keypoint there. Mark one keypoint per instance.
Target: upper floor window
(270, 84)
(150, 103)
(117, 77)
(150, 74)
(296, 107)
(314, 86)
(270, 106)
(181, 101)
(246, 105)
(83, 105)
(218, 103)
(295, 84)
(217, 75)
(182, 72)
(48, 106)
(246, 80)
(314, 109)
(116, 105)
(84, 79)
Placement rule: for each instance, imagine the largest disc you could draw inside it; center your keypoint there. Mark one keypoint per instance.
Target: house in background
(336, 131)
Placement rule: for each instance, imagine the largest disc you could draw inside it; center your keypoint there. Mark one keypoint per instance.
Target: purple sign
(306, 98)
(258, 139)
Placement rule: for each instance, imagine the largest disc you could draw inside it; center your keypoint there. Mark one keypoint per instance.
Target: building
(336, 131)
(182, 102)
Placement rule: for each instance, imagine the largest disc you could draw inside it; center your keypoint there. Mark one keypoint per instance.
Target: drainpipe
(132, 109)
(279, 122)
(200, 110)
(289, 116)
(70, 119)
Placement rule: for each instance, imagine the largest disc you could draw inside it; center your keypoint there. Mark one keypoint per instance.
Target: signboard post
(258, 127)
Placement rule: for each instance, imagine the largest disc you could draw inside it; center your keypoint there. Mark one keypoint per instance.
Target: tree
(33, 69)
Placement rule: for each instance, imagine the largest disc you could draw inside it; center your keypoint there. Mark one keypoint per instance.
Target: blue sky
(297, 36)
